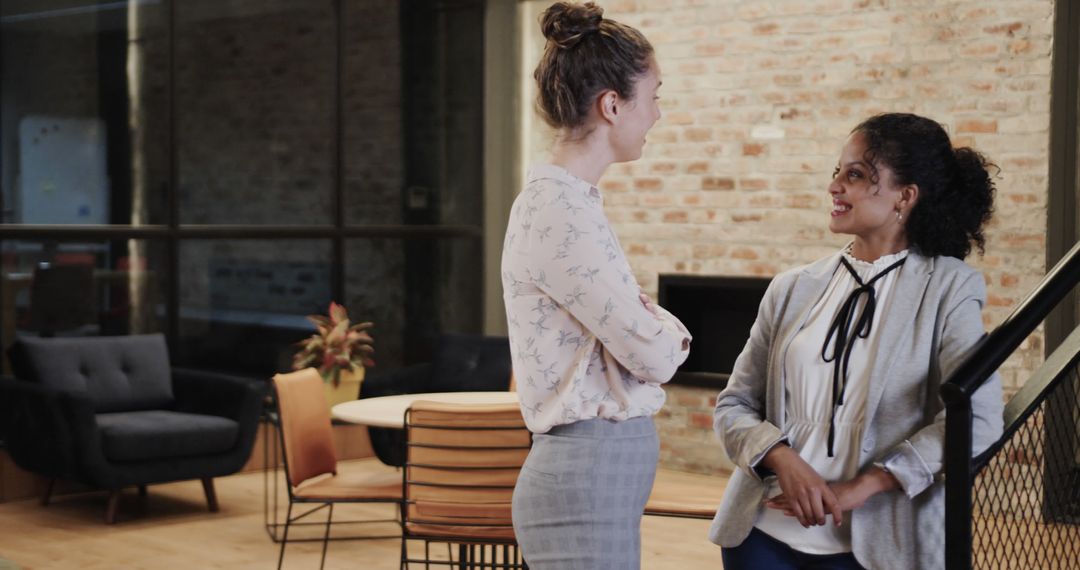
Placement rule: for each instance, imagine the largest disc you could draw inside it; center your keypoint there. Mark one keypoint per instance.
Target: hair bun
(565, 24)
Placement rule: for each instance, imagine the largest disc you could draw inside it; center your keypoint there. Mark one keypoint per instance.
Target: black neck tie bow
(842, 335)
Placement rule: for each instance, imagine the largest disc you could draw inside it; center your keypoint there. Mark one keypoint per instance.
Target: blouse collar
(542, 170)
(879, 263)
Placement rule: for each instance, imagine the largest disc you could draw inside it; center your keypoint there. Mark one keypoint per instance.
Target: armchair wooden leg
(47, 493)
(110, 507)
(211, 497)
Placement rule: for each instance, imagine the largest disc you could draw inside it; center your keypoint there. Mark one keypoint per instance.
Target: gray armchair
(111, 413)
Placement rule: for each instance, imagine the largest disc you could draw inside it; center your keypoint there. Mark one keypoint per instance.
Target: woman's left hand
(851, 494)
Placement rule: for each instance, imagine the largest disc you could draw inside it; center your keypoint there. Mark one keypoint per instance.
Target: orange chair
(462, 462)
(310, 460)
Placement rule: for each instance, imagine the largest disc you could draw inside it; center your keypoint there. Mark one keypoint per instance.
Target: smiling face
(865, 201)
(636, 116)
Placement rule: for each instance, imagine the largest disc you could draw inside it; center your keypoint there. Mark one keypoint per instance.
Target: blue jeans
(762, 552)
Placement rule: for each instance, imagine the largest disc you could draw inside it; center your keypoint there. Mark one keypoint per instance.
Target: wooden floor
(174, 530)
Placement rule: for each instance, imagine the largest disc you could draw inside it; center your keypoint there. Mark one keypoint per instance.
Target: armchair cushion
(156, 434)
(117, 373)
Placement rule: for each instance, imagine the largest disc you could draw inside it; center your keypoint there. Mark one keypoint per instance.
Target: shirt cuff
(671, 322)
(909, 468)
(760, 471)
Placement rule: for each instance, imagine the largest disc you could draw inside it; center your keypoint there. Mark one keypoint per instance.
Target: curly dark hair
(956, 191)
(585, 54)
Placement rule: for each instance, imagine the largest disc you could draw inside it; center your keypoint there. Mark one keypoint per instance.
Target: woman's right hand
(805, 492)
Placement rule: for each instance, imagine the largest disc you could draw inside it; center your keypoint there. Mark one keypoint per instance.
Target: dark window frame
(173, 233)
(1064, 167)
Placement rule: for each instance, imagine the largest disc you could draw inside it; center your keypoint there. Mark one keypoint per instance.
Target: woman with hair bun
(589, 350)
(832, 412)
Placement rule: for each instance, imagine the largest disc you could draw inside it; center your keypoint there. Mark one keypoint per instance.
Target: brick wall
(758, 98)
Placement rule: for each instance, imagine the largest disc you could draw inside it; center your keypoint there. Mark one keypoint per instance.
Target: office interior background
(225, 169)
(217, 170)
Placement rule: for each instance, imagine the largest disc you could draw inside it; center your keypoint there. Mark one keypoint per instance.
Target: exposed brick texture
(758, 98)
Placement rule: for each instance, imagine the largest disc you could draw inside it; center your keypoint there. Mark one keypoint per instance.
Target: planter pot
(346, 390)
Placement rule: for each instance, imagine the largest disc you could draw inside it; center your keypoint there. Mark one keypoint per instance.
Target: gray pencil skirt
(581, 493)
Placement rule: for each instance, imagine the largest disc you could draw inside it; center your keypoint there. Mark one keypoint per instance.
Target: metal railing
(1015, 504)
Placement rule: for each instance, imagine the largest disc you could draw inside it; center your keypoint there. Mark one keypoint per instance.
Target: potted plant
(339, 350)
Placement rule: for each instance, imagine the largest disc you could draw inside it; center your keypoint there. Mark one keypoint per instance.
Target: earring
(899, 216)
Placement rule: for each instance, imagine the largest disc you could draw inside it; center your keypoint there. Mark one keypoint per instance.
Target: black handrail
(1032, 394)
(956, 393)
(996, 347)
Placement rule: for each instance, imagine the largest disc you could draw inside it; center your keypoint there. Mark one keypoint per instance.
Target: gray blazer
(933, 320)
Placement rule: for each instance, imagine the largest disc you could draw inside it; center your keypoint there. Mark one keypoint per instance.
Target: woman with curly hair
(832, 411)
(590, 352)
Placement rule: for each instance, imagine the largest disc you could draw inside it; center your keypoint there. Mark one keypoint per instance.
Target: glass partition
(83, 112)
(218, 169)
(81, 288)
(243, 302)
(255, 108)
(413, 290)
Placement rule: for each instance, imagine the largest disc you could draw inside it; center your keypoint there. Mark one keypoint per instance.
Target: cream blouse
(808, 385)
(582, 343)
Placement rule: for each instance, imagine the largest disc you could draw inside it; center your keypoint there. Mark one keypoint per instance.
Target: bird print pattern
(582, 340)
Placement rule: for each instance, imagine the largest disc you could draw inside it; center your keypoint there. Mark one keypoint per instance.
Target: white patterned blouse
(582, 343)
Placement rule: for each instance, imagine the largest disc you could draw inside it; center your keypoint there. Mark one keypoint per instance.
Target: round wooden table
(389, 411)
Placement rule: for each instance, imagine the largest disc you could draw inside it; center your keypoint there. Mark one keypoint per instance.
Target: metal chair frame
(272, 475)
(478, 554)
(320, 503)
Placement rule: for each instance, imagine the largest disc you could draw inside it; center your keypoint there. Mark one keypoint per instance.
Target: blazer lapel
(804, 294)
(897, 325)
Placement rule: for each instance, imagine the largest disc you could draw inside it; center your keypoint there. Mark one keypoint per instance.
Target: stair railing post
(958, 479)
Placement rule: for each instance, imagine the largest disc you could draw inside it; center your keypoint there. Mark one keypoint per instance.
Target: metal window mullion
(337, 269)
(172, 248)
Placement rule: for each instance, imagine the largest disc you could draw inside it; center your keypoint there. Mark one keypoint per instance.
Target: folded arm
(580, 266)
(739, 418)
(918, 461)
